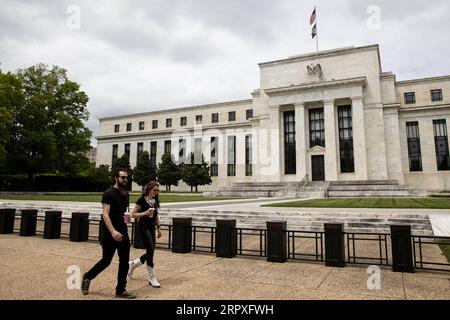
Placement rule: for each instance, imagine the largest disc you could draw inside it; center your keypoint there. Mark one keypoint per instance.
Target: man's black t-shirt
(119, 201)
(147, 221)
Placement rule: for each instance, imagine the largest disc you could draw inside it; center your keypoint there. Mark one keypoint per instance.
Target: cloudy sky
(137, 56)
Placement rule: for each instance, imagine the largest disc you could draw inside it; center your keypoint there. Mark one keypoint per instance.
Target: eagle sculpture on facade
(315, 70)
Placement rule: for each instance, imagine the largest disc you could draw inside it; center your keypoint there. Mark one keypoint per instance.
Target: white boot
(132, 266)
(152, 278)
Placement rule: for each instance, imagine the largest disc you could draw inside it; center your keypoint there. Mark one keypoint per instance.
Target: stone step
(364, 182)
(368, 194)
(378, 187)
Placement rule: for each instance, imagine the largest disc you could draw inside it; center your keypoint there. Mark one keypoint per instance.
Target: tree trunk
(196, 188)
(191, 189)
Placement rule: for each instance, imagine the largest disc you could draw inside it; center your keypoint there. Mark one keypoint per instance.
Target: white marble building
(333, 115)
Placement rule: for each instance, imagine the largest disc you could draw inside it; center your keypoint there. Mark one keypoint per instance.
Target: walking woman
(145, 212)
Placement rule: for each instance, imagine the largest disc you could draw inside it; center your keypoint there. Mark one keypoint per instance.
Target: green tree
(145, 170)
(49, 133)
(195, 174)
(11, 98)
(168, 172)
(123, 163)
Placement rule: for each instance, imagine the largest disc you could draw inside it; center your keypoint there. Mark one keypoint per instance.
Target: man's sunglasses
(124, 177)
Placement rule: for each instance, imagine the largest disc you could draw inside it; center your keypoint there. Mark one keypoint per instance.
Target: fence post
(138, 243)
(182, 235)
(276, 241)
(226, 238)
(7, 217)
(402, 260)
(79, 226)
(28, 223)
(334, 245)
(52, 226)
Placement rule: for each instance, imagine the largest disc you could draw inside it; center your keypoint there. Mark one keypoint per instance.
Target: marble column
(300, 140)
(331, 142)
(274, 139)
(359, 138)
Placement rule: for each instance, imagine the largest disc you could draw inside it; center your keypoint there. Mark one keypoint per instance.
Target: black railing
(360, 248)
(363, 239)
(316, 253)
(422, 261)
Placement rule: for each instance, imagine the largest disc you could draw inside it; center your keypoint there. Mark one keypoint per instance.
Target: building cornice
(314, 85)
(189, 108)
(321, 54)
(425, 108)
(423, 80)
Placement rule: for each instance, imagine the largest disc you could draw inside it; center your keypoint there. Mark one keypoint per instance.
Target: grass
(97, 197)
(384, 203)
(445, 247)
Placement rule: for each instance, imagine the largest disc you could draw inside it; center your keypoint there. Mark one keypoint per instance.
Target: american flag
(313, 17)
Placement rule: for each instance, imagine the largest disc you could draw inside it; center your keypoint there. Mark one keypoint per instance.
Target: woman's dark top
(147, 221)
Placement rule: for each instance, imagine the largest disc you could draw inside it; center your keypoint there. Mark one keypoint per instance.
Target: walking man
(115, 202)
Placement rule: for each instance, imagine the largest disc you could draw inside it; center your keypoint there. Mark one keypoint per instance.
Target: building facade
(333, 115)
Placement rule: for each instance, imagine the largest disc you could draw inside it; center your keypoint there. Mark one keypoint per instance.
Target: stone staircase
(255, 189)
(256, 219)
(371, 188)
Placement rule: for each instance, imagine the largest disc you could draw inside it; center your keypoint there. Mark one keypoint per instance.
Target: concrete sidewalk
(35, 268)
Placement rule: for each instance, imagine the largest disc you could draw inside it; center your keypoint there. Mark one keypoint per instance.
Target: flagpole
(317, 31)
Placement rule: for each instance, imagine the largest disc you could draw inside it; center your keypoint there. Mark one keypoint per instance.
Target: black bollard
(52, 226)
(7, 217)
(226, 238)
(334, 245)
(276, 241)
(79, 226)
(28, 223)
(182, 235)
(402, 260)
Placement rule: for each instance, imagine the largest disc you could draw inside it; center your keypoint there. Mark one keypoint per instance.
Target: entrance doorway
(318, 168)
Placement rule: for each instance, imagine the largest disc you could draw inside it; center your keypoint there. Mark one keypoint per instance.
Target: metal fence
(360, 248)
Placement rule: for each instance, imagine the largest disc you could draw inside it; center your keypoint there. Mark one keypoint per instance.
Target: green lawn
(446, 250)
(395, 203)
(98, 197)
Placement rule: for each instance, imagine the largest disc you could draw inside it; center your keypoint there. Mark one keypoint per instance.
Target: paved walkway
(35, 268)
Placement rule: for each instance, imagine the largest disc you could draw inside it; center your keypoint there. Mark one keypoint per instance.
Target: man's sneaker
(126, 295)
(85, 285)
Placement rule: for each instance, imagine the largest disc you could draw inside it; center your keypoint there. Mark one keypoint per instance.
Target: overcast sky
(138, 56)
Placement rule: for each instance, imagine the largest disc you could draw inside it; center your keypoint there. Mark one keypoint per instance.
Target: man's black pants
(109, 247)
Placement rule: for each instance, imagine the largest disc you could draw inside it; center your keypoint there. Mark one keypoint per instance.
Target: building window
(115, 154)
(249, 114)
(198, 119)
(214, 167)
(436, 95)
(316, 128)
(231, 167)
(153, 148)
(127, 149)
(155, 124)
(140, 148)
(215, 118)
(183, 121)
(232, 116)
(167, 146)
(289, 143)
(410, 97)
(141, 125)
(414, 153)
(441, 144)
(182, 151)
(116, 127)
(346, 139)
(169, 123)
(248, 155)
(128, 126)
